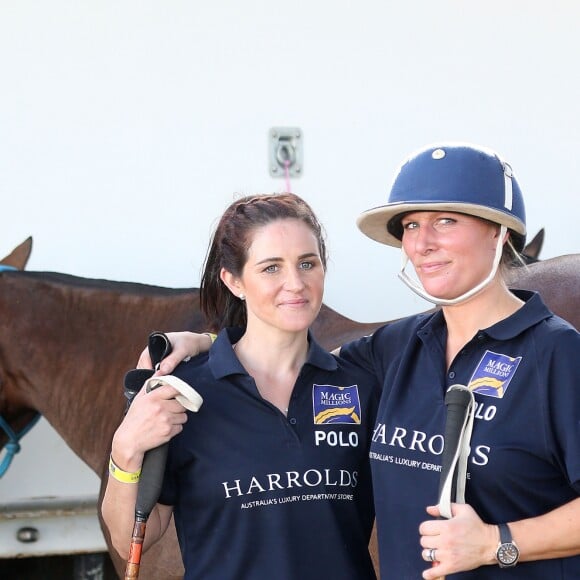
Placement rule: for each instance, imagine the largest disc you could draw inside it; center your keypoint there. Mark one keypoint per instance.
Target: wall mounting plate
(285, 148)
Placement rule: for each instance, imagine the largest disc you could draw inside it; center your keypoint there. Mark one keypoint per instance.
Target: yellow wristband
(123, 476)
(211, 335)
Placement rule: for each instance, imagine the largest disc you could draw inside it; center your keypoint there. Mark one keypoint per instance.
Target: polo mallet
(460, 404)
(153, 467)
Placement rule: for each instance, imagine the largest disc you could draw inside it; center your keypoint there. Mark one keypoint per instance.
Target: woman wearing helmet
(457, 213)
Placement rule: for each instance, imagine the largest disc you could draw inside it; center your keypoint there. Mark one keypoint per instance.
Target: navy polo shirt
(260, 495)
(525, 447)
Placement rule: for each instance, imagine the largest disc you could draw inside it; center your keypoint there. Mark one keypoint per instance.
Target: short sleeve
(563, 383)
(361, 352)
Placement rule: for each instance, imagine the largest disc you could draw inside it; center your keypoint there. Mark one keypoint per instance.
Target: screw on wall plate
(285, 148)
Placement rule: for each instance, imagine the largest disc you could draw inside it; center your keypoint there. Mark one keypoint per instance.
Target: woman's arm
(555, 534)
(185, 344)
(118, 511)
(153, 419)
(465, 542)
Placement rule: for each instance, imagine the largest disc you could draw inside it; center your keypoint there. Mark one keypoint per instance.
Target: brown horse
(66, 342)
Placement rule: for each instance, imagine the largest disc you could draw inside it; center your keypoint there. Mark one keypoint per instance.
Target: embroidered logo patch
(335, 404)
(493, 374)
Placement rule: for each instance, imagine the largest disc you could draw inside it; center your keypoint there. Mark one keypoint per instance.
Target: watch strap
(505, 535)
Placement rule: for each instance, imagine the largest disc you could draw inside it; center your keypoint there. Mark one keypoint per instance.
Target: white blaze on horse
(66, 343)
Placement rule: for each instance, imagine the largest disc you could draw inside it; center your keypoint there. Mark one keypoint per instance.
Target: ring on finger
(431, 554)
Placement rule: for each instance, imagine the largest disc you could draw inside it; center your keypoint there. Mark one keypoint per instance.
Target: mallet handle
(134, 559)
(457, 400)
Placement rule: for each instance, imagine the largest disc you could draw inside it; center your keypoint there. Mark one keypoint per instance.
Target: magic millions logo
(493, 374)
(332, 405)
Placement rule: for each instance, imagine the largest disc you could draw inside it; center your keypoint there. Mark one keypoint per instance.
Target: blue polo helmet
(457, 177)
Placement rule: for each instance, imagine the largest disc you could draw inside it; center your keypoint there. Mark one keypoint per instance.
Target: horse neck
(68, 346)
(558, 282)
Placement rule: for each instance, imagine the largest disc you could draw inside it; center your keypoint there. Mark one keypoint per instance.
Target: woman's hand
(152, 419)
(184, 345)
(462, 543)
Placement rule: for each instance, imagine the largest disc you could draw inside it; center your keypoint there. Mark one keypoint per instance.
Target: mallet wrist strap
(122, 475)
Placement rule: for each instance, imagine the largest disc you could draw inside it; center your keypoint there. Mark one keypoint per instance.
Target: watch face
(507, 554)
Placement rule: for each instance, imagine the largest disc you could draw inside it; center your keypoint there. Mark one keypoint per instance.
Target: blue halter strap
(13, 445)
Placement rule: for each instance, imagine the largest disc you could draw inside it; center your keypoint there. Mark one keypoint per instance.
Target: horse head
(17, 416)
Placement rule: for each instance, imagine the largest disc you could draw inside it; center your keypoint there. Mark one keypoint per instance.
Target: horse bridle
(13, 445)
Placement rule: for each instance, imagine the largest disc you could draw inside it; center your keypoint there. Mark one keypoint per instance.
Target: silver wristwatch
(507, 553)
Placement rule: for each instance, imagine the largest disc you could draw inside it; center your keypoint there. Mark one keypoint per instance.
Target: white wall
(126, 127)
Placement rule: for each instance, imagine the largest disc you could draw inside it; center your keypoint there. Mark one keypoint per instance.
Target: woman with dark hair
(457, 213)
(270, 479)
